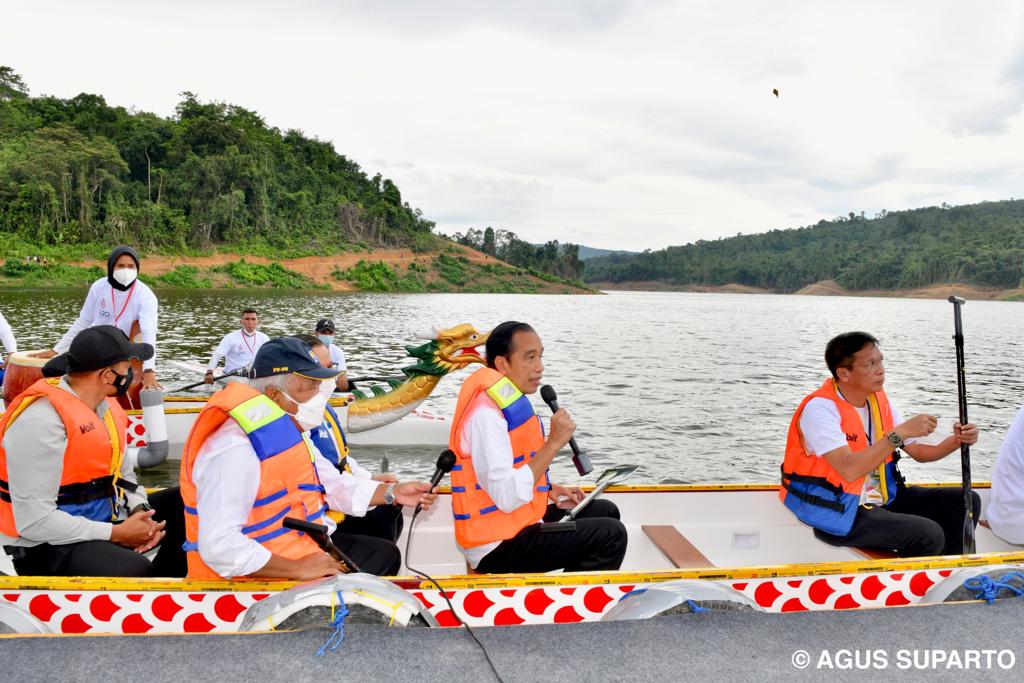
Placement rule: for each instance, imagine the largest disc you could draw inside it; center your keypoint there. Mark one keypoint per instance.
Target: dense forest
(562, 260)
(980, 244)
(78, 170)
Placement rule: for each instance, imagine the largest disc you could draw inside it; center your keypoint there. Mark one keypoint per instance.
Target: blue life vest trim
(266, 500)
(518, 412)
(267, 522)
(275, 437)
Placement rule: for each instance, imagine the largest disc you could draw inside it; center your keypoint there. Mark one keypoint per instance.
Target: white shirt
(337, 357)
(821, 426)
(7, 336)
(105, 305)
(485, 438)
(227, 478)
(1006, 505)
(238, 350)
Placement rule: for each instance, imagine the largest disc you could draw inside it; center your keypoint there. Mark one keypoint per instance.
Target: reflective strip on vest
(516, 408)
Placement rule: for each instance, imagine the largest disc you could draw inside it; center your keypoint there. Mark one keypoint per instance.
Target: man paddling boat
(501, 491)
(840, 475)
(121, 300)
(248, 465)
(238, 348)
(66, 487)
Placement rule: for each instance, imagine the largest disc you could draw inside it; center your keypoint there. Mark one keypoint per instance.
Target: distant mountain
(593, 252)
(980, 244)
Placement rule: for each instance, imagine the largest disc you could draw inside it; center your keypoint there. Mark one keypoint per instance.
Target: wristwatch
(895, 439)
(389, 495)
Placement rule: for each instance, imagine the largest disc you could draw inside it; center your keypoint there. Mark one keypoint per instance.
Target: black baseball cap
(325, 324)
(288, 355)
(94, 348)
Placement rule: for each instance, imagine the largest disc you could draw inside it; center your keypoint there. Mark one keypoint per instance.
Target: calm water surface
(694, 387)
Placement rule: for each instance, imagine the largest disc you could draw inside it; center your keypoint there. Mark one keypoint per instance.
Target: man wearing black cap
(120, 300)
(248, 464)
(325, 330)
(65, 485)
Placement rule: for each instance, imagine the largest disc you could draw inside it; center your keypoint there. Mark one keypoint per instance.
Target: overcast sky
(626, 124)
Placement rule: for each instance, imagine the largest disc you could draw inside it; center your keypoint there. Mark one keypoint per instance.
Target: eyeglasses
(871, 365)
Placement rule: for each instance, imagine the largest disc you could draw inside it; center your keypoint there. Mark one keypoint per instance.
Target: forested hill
(979, 244)
(78, 170)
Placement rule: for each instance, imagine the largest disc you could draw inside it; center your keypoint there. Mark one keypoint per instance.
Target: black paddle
(233, 373)
(965, 450)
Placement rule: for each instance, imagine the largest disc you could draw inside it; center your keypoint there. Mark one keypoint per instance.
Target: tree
(11, 85)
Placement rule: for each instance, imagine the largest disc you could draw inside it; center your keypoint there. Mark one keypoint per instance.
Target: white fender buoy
(13, 619)
(153, 419)
(650, 601)
(393, 605)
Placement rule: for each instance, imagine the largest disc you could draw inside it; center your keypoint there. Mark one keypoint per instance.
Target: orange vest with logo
(92, 458)
(477, 519)
(289, 485)
(811, 488)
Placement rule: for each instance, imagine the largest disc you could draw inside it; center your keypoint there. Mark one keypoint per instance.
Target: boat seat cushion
(676, 547)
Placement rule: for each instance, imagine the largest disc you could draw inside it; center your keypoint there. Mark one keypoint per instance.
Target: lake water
(694, 387)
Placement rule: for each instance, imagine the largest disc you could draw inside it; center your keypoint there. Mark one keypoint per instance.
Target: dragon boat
(383, 414)
(729, 546)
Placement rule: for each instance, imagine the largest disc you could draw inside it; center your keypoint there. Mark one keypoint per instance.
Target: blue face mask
(327, 339)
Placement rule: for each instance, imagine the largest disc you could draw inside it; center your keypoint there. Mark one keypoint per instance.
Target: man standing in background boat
(325, 330)
(382, 521)
(238, 348)
(66, 485)
(840, 475)
(121, 300)
(501, 491)
(247, 465)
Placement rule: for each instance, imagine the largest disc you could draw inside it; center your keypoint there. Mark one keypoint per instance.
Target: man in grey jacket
(57, 517)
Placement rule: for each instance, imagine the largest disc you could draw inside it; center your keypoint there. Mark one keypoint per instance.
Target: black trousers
(919, 522)
(103, 558)
(598, 543)
(383, 521)
(371, 554)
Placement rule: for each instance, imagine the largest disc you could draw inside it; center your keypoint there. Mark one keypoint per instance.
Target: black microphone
(581, 460)
(445, 463)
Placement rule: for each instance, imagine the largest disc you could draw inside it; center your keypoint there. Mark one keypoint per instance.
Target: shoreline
(823, 288)
(454, 269)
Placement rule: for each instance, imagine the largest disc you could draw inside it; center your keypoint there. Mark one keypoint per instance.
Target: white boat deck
(730, 528)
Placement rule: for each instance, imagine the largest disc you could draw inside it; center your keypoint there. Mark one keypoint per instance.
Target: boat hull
(846, 581)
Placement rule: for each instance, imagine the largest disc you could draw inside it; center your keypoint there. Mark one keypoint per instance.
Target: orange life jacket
(477, 519)
(289, 485)
(92, 458)
(812, 489)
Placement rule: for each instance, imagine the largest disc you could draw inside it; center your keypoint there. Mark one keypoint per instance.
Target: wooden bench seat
(873, 554)
(676, 547)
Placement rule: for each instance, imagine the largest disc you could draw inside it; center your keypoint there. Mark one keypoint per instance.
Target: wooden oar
(965, 450)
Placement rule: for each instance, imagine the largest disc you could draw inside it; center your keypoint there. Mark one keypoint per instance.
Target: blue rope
(334, 640)
(695, 608)
(988, 588)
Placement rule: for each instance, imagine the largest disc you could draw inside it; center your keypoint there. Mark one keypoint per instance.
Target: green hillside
(78, 171)
(979, 244)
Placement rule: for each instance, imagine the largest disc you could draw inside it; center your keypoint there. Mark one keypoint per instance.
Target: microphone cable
(408, 540)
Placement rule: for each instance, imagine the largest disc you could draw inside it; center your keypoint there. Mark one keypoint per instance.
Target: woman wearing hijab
(119, 299)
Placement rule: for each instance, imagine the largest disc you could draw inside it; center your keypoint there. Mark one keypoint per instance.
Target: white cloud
(624, 124)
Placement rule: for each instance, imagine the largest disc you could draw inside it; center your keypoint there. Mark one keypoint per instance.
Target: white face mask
(125, 276)
(327, 388)
(311, 413)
